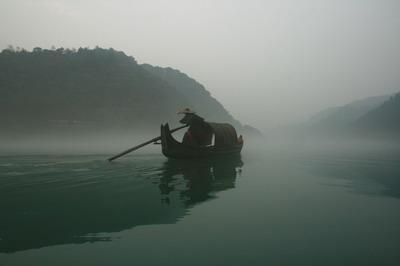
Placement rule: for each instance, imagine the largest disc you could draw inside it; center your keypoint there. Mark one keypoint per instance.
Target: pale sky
(268, 62)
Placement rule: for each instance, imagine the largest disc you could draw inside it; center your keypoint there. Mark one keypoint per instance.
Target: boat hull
(171, 148)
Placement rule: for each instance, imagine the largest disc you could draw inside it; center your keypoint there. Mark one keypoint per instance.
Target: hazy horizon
(268, 62)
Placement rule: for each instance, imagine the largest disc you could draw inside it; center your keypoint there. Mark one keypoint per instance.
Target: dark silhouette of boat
(226, 142)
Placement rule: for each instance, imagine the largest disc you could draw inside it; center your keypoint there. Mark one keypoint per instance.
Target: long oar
(143, 144)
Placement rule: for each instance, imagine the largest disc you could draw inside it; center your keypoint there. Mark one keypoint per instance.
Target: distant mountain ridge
(95, 89)
(372, 117)
(338, 117)
(381, 122)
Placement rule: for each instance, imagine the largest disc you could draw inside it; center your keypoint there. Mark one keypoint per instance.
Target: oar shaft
(141, 145)
(132, 149)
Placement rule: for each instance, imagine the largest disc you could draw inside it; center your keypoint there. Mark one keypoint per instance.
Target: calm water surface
(268, 206)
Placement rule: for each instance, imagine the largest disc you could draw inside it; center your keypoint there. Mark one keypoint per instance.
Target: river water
(270, 206)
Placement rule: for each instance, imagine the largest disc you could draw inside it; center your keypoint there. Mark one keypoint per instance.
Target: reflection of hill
(52, 203)
(63, 207)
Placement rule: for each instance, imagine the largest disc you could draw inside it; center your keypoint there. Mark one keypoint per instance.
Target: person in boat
(199, 132)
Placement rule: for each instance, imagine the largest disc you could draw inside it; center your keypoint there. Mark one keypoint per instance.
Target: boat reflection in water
(47, 202)
(204, 177)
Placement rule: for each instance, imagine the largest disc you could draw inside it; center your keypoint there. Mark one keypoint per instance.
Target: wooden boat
(225, 137)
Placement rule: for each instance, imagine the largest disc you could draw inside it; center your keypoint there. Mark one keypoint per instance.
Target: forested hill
(97, 89)
(195, 91)
(371, 118)
(381, 122)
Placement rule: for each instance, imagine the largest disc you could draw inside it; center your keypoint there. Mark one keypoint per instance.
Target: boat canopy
(225, 135)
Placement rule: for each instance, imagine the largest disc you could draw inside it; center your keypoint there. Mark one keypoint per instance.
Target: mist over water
(290, 203)
(106, 142)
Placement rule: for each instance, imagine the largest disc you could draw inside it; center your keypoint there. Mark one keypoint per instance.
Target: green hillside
(190, 88)
(93, 89)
